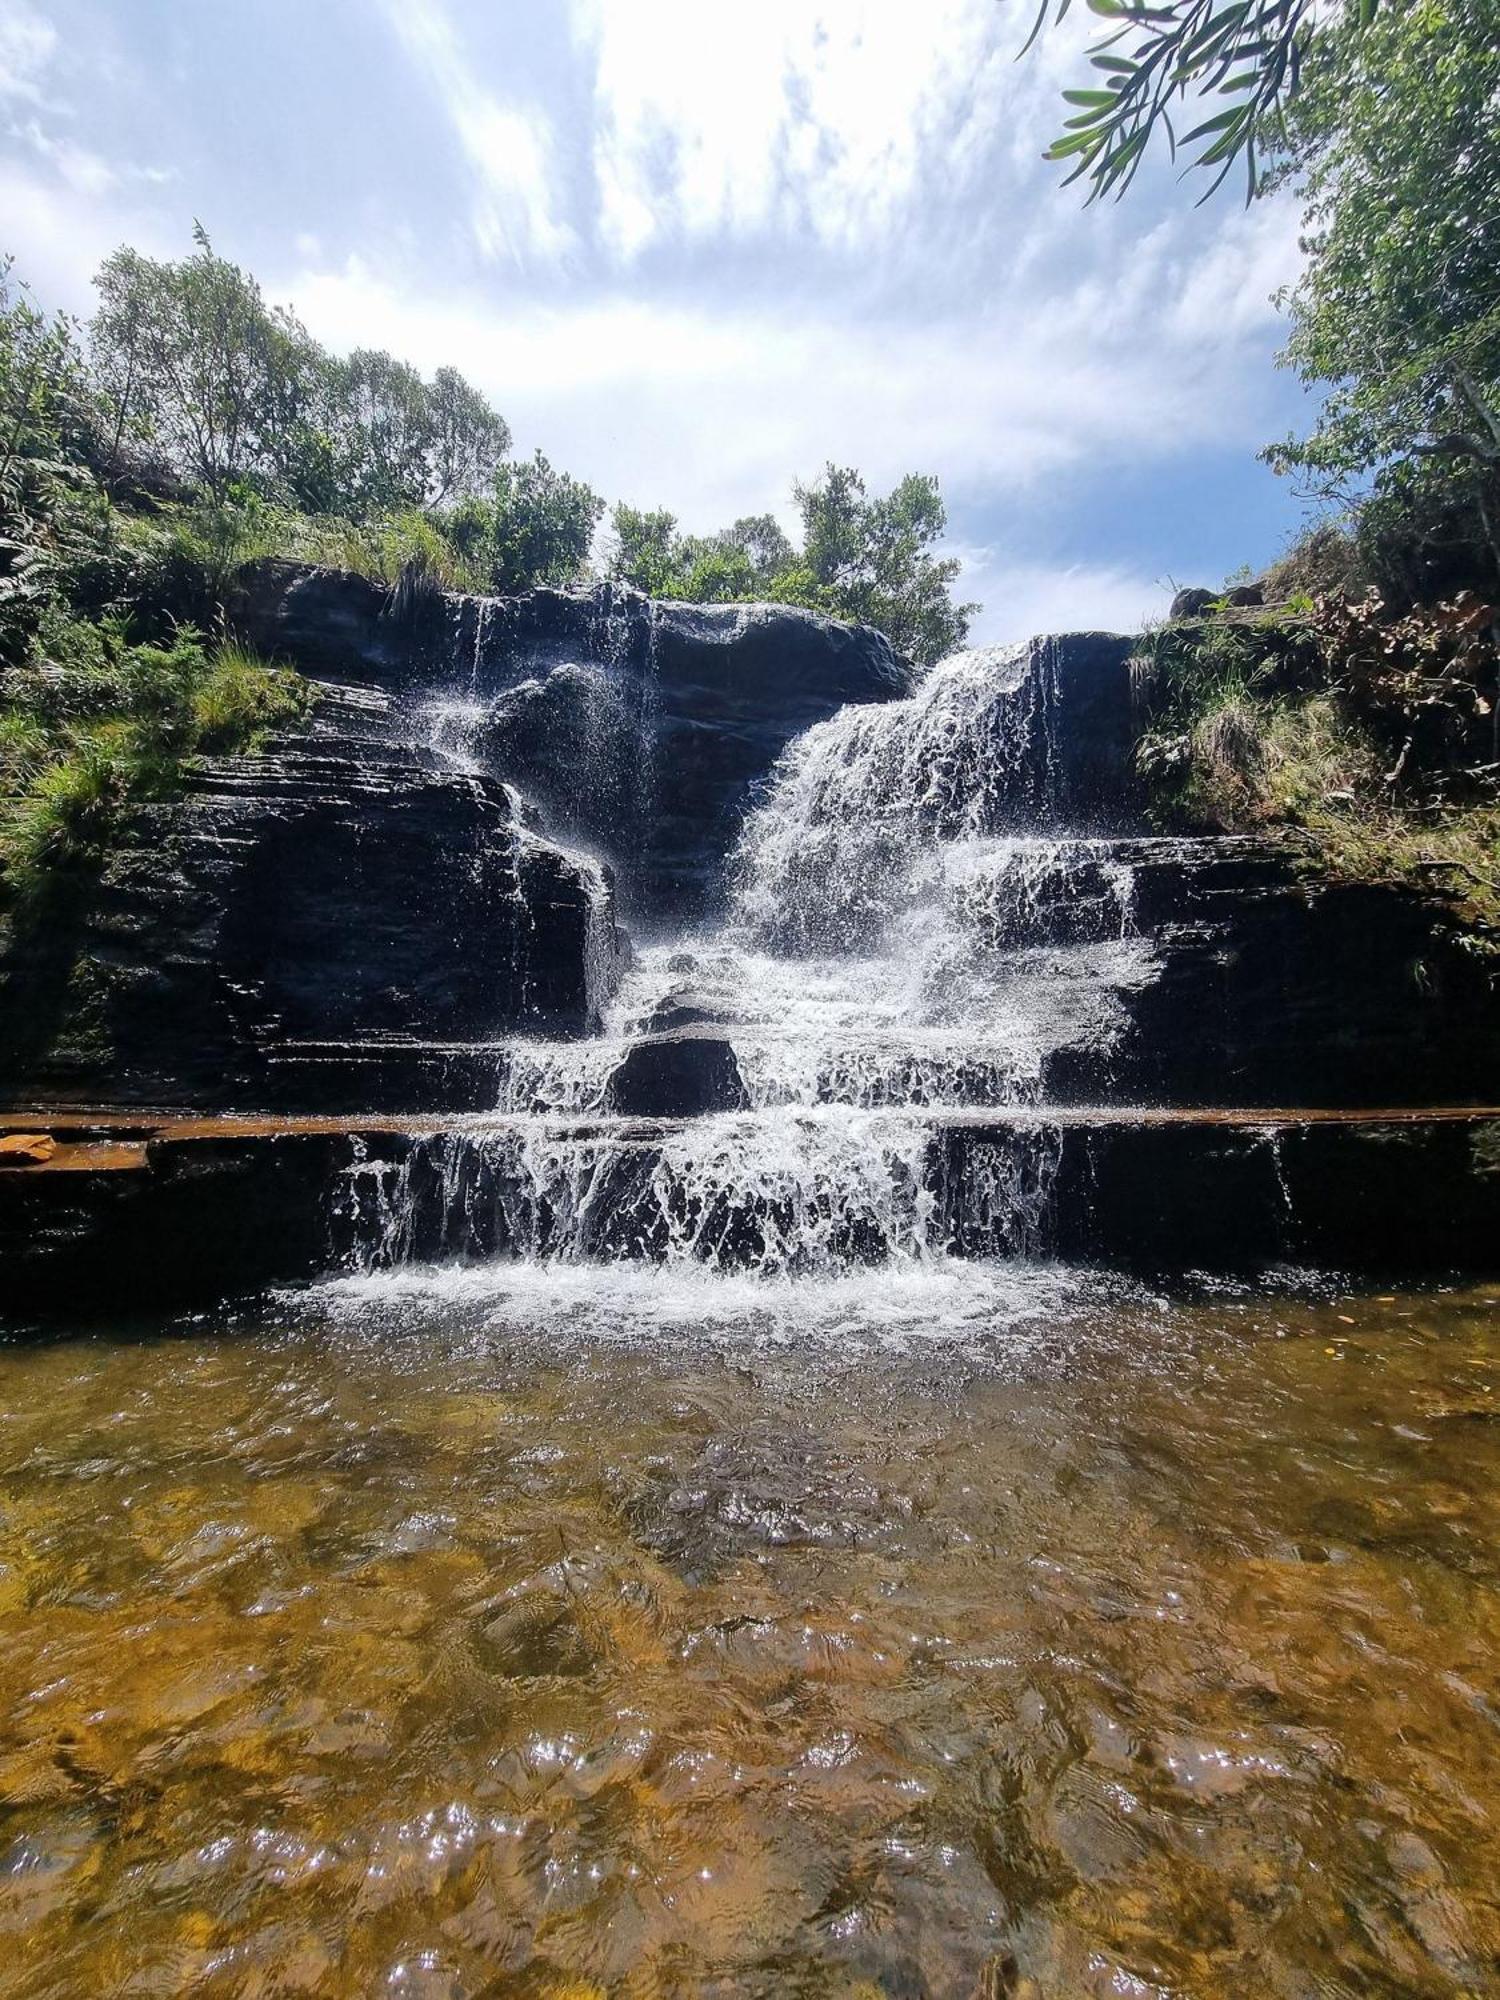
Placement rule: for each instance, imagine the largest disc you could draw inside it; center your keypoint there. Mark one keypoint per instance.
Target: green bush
(66, 816)
(94, 724)
(1254, 725)
(240, 700)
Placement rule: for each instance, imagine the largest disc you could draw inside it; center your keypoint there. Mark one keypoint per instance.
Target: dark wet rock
(1273, 986)
(686, 1074)
(641, 728)
(206, 1215)
(1243, 596)
(1192, 602)
(1216, 971)
(1088, 757)
(685, 1007)
(341, 890)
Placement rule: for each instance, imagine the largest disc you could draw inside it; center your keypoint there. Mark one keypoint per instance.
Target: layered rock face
(639, 728)
(335, 919)
(362, 916)
(1223, 973)
(910, 976)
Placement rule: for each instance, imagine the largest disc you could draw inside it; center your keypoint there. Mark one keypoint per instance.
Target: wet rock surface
(640, 726)
(942, 904)
(685, 1073)
(1261, 983)
(340, 889)
(181, 1220)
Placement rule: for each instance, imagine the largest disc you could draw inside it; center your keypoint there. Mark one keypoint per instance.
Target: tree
(381, 423)
(44, 412)
(646, 549)
(191, 362)
(469, 439)
(541, 526)
(1246, 56)
(738, 563)
(871, 560)
(861, 558)
(1395, 142)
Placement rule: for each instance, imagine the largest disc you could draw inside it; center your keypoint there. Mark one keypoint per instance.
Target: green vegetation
(1363, 709)
(192, 369)
(861, 558)
(93, 725)
(1394, 145)
(1369, 735)
(194, 429)
(1245, 57)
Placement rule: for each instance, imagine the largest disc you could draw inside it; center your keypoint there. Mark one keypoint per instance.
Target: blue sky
(695, 248)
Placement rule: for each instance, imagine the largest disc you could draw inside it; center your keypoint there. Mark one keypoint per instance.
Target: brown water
(980, 1634)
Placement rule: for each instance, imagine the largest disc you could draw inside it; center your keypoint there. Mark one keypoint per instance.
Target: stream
(959, 1630)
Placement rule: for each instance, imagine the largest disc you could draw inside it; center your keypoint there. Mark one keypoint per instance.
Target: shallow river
(936, 1634)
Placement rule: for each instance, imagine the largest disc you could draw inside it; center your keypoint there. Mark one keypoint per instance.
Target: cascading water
(902, 948)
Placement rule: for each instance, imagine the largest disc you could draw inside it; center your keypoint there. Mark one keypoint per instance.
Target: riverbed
(941, 1631)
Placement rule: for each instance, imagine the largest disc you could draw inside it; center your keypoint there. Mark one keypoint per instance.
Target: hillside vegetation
(1352, 704)
(192, 428)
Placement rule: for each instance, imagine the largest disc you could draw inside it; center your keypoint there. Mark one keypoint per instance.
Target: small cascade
(911, 938)
(788, 1194)
(859, 805)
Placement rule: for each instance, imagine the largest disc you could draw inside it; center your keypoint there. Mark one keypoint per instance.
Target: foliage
(870, 559)
(1363, 731)
(1325, 558)
(1423, 683)
(1244, 56)
(861, 558)
(192, 365)
(738, 563)
(1396, 145)
(92, 724)
(42, 404)
(538, 528)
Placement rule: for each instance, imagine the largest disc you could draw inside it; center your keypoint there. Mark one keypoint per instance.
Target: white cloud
(712, 121)
(816, 229)
(60, 235)
(27, 45)
(1021, 600)
(86, 172)
(509, 147)
(713, 409)
(1228, 291)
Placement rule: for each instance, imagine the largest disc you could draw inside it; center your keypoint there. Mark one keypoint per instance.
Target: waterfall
(804, 1194)
(911, 938)
(850, 830)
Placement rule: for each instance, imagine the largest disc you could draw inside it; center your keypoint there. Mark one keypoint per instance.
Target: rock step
(182, 1209)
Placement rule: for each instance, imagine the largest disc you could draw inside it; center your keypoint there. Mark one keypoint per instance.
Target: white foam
(983, 1310)
(895, 950)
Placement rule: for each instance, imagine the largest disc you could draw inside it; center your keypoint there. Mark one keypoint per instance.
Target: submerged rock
(26, 1149)
(688, 1073)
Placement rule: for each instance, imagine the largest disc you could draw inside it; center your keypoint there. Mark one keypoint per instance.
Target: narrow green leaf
(1090, 97)
(1075, 142)
(1225, 121)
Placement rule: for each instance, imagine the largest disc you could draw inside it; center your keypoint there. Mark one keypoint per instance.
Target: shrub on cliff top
(93, 725)
(1362, 732)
